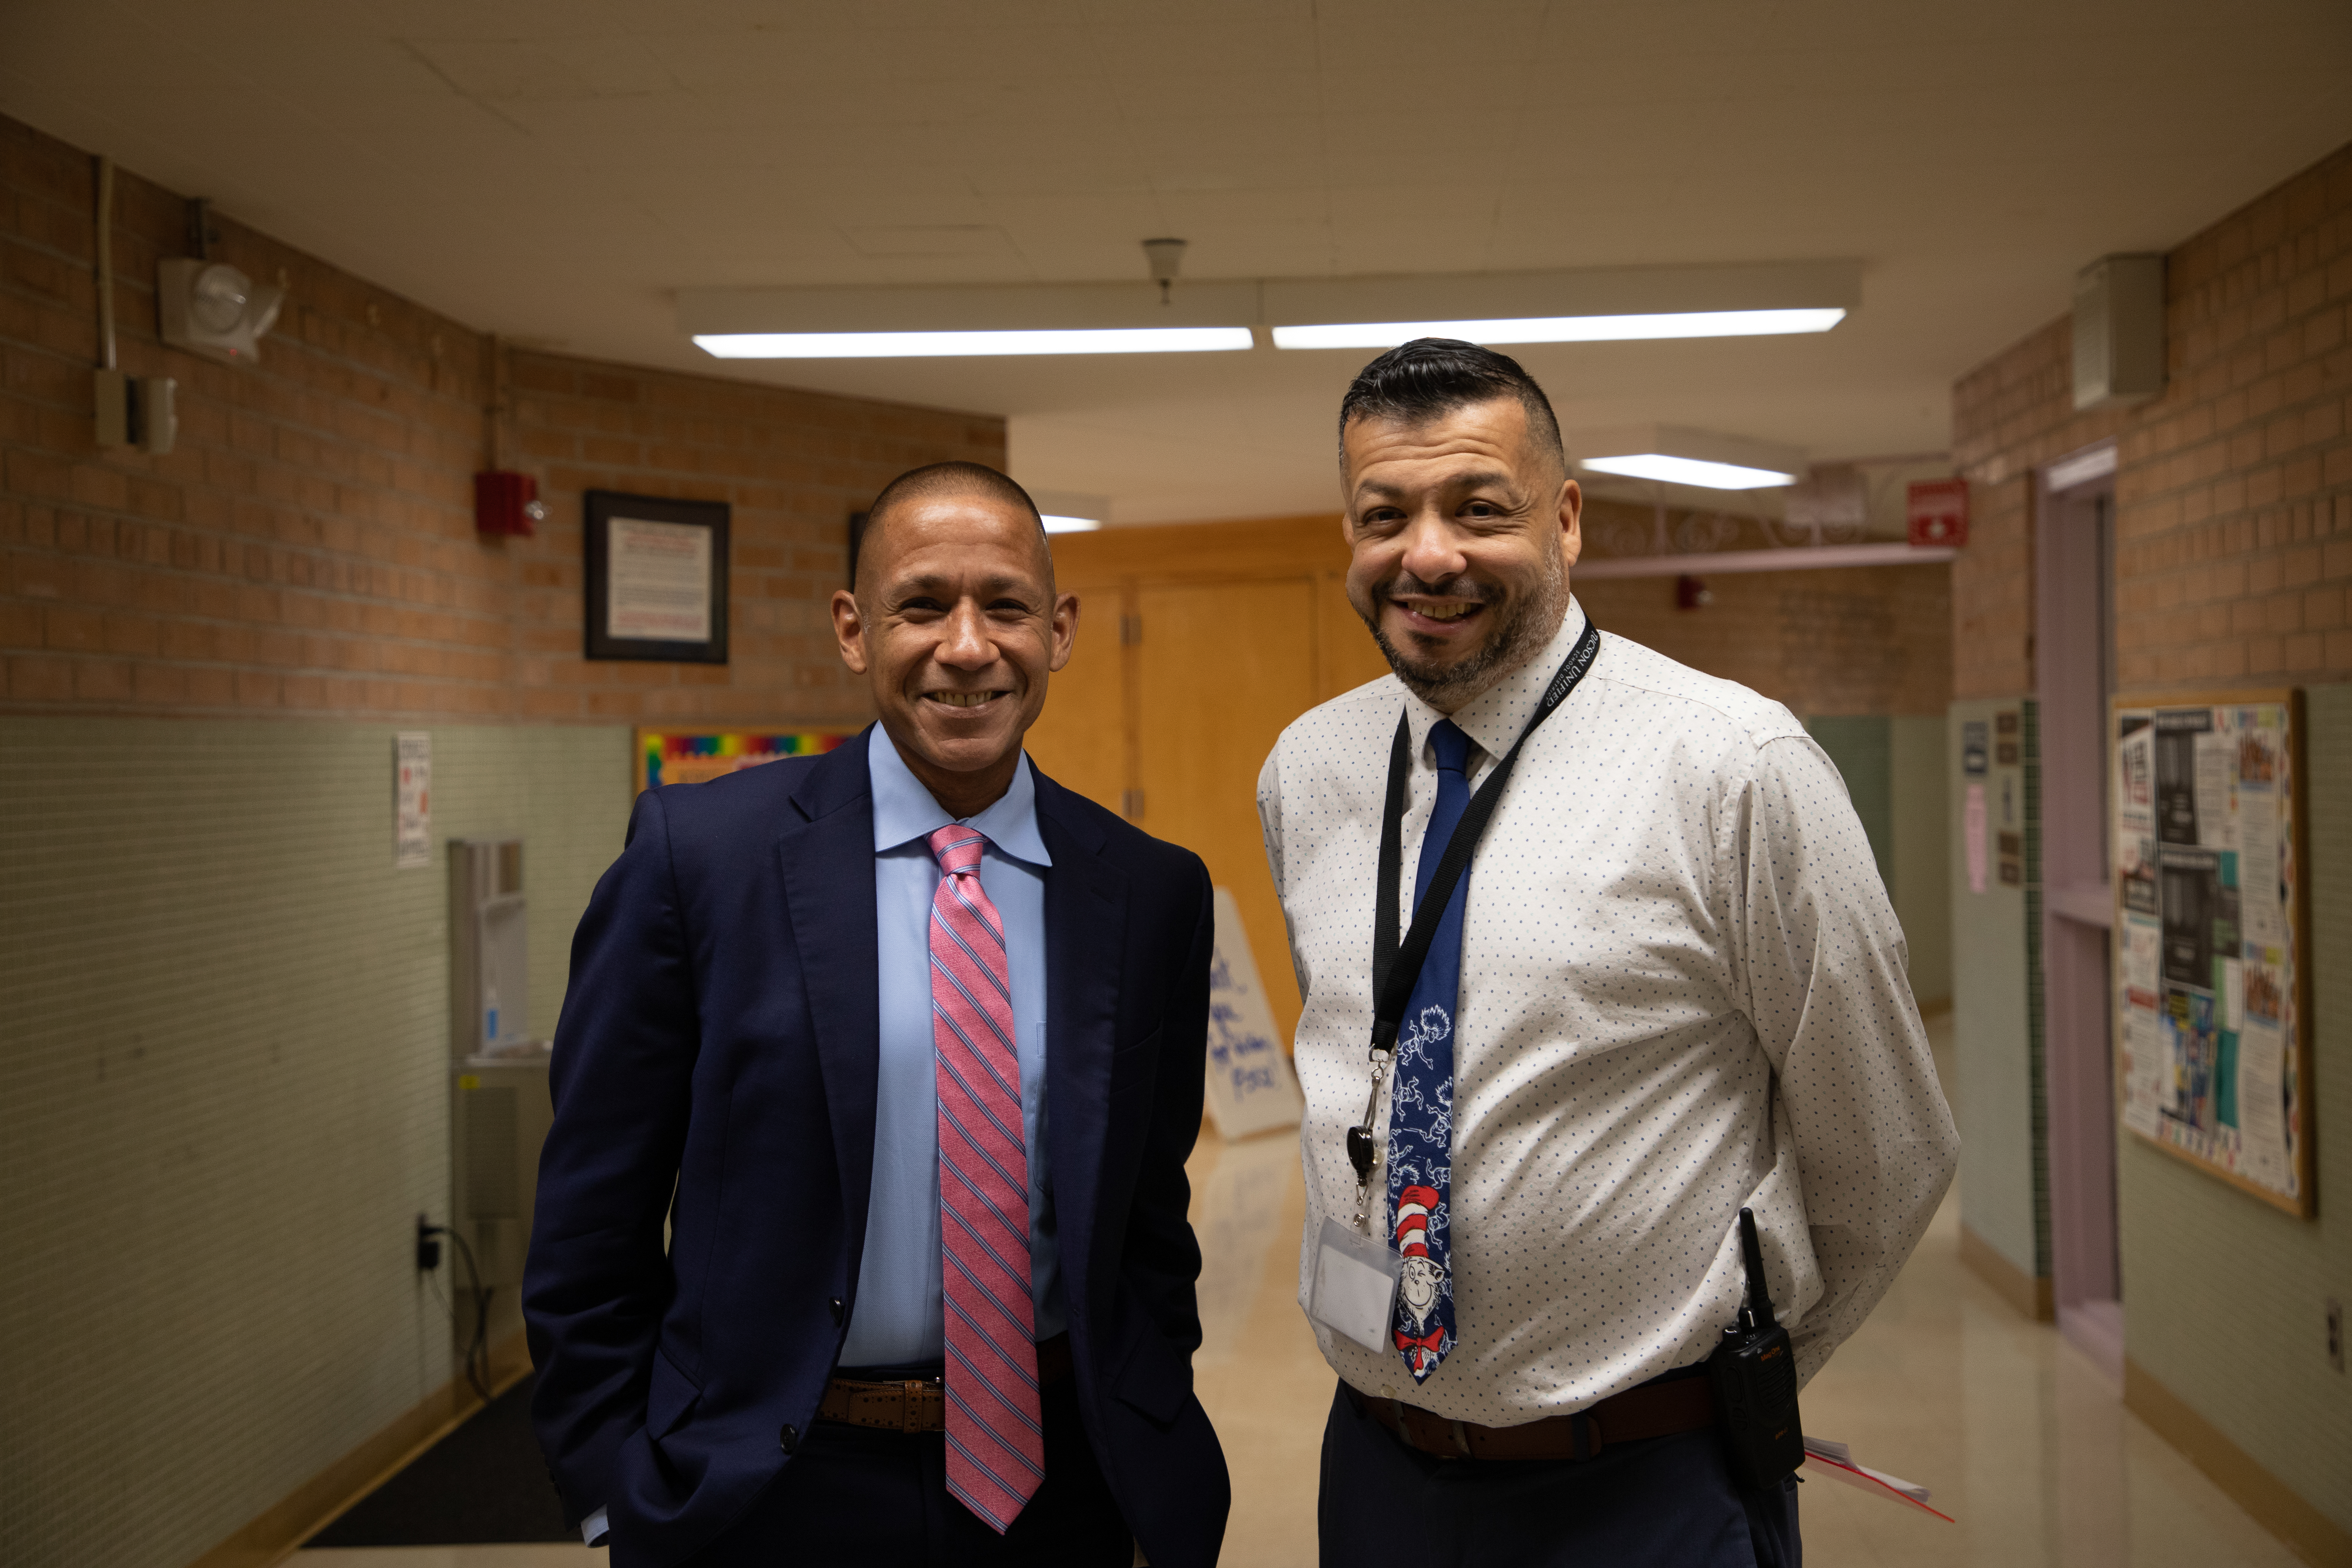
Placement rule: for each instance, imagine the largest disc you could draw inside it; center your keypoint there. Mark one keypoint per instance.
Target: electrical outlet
(429, 1245)
(2336, 1333)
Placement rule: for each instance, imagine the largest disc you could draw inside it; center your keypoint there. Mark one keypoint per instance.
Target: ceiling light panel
(1008, 319)
(1587, 305)
(1672, 454)
(1071, 511)
(1031, 341)
(1674, 470)
(1561, 329)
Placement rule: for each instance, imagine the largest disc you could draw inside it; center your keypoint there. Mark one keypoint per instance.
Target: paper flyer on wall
(412, 799)
(2205, 890)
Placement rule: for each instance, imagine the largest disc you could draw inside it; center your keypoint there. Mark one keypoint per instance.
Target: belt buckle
(1585, 1437)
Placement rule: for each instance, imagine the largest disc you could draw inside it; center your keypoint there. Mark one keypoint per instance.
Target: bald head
(955, 623)
(909, 493)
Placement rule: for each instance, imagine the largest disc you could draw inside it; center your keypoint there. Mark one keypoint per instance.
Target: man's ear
(1064, 631)
(849, 629)
(1571, 521)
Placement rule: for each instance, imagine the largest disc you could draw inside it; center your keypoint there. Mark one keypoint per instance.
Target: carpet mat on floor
(483, 1484)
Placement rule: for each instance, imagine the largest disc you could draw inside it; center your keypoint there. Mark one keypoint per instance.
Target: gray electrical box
(500, 1115)
(499, 1107)
(2118, 331)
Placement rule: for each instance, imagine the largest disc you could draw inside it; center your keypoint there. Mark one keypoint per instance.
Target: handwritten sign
(1251, 1085)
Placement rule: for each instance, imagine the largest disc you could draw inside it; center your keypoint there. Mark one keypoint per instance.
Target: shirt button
(789, 1440)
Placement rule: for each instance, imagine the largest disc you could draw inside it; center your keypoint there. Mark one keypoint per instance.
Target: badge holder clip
(1356, 1274)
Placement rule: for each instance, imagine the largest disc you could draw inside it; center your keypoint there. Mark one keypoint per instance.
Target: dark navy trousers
(1668, 1501)
(867, 1499)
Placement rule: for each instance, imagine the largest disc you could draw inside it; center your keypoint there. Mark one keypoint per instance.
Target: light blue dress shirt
(899, 1320)
(899, 1316)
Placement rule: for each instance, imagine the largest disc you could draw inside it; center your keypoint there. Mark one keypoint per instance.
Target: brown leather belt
(1652, 1410)
(921, 1404)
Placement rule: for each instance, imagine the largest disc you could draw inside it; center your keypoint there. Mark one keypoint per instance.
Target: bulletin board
(2212, 936)
(692, 756)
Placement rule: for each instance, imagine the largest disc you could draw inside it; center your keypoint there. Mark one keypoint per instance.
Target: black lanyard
(1395, 968)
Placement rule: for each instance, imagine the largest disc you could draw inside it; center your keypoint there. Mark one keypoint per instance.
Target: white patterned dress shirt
(1682, 991)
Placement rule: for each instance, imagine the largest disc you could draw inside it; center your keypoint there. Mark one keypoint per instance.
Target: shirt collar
(904, 810)
(1494, 719)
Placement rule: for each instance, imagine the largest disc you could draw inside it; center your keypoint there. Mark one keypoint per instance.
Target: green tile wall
(1995, 968)
(1922, 879)
(224, 1046)
(1893, 772)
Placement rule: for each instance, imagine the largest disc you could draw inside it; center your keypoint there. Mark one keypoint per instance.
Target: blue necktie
(1420, 1103)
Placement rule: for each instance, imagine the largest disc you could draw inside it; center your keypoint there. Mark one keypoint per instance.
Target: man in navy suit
(903, 1043)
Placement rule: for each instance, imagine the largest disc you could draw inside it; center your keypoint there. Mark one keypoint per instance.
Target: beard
(1518, 632)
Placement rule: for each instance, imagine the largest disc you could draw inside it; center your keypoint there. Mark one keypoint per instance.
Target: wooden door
(1080, 741)
(1347, 656)
(1221, 668)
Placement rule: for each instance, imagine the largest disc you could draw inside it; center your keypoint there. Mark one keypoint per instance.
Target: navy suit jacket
(720, 1043)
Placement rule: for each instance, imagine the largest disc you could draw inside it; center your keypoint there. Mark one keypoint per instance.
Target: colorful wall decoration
(682, 756)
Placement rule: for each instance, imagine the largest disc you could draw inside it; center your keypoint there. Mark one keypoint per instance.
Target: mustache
(1454, 587)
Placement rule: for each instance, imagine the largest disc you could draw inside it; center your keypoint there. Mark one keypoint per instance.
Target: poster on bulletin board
(695, 756)
(2211, 937)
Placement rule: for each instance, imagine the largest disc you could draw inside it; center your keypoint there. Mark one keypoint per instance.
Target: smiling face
(956, 626)
(1417, 1283)
(1462, 530)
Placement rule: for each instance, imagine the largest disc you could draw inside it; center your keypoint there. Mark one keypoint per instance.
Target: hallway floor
(2023, 1439)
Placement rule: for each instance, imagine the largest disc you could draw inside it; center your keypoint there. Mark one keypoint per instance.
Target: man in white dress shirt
(1669, 986)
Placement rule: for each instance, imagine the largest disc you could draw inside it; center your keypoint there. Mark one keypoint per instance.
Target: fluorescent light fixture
(1675, 470)
(1562, 329)
(919, 345)
(1214, 315)
(1071, 511)
(1669, 454)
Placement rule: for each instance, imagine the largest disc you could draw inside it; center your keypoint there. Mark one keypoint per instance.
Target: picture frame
(655, 585)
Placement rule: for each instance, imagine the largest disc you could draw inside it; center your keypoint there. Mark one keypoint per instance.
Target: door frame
(2075, 630)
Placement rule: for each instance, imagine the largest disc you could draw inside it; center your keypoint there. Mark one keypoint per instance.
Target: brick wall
(1856, 640)
(309, 548)
(2233, 558)
(2233, 490)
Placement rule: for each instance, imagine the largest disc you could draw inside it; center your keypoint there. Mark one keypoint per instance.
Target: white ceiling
(556, 169)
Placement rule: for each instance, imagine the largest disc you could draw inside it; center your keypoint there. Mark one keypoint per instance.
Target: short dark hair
(1418, 381)
(937, 478)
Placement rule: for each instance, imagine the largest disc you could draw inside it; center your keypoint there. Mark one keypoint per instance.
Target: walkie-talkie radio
(1755, 1376)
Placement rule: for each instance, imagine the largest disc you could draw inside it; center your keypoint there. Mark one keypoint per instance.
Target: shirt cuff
(593, 1530)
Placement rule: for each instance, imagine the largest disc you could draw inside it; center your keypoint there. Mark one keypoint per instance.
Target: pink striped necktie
(996, 1446)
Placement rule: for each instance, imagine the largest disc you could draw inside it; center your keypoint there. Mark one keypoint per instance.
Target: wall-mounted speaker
(2118, 331)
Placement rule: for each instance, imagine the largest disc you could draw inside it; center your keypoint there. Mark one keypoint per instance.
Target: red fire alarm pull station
(1938, 511)
(506, 503)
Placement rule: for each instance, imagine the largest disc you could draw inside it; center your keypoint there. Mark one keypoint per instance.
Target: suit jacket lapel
(828, 863)
(1085, 924)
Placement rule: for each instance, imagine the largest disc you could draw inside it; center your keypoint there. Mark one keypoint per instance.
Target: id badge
(1355, 1285)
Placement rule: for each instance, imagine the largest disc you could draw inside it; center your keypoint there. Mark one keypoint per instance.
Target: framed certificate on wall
(657, 578)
